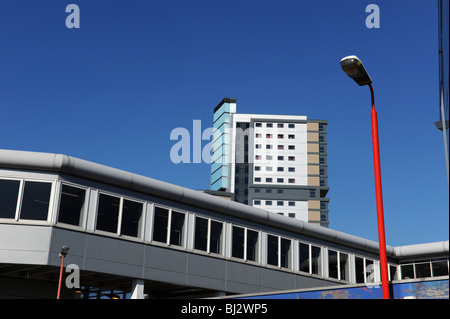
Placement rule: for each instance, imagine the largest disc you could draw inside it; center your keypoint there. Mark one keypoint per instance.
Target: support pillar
(137, 292)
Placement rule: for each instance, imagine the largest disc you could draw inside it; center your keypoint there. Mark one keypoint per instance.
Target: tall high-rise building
(274, 162)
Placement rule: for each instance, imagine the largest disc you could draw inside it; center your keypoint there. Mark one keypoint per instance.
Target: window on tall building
(281, 147)
(269, 125)
(291, 158)
(291, 125)
(280, 125)
(291, 147)
(268, 135)
(291, 136)
(280, 136)
(291, 180)
(258, 124)
(291, 169)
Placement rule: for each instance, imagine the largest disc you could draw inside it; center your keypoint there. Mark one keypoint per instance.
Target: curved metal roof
(52, 162)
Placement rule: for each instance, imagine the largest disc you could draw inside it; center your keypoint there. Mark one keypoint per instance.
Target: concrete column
(137, 291)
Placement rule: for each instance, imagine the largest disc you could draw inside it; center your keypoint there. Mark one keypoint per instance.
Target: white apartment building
(274, 162)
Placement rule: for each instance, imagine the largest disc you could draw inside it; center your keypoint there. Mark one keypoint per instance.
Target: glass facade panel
(407, 271)
(108, 213)
(440, 268)
(131, 218)
(344, 267)
(423, 270)
(285, 253)
(36, 199)
(177, 229)
(160, 224)
(359, 270)
(238, 242)
(304, 257)
(71, 205)
(316, 261)
(272, 250)
(201, 233)
(370, 271)
(252, 245)
(9, 191)
(332, 264)
(215, 244)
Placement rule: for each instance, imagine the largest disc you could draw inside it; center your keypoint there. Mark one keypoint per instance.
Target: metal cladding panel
(24, 244)
(166, 260)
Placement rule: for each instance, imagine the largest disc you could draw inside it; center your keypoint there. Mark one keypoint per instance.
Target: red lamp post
(62, 254)
(354, 68)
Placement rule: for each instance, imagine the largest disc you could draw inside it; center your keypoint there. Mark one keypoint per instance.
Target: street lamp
(62, 254)
(354, 68)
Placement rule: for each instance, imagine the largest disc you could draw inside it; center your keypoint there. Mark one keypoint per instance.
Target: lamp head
(354, 68)
(64, 251)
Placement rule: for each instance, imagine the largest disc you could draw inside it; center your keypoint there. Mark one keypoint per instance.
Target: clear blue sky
(113, 90)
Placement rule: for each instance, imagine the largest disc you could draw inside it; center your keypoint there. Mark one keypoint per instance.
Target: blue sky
(113, 90)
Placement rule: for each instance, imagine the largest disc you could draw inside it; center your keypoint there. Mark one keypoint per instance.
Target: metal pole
(441, 88)
(60, 276)
(379, 199)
